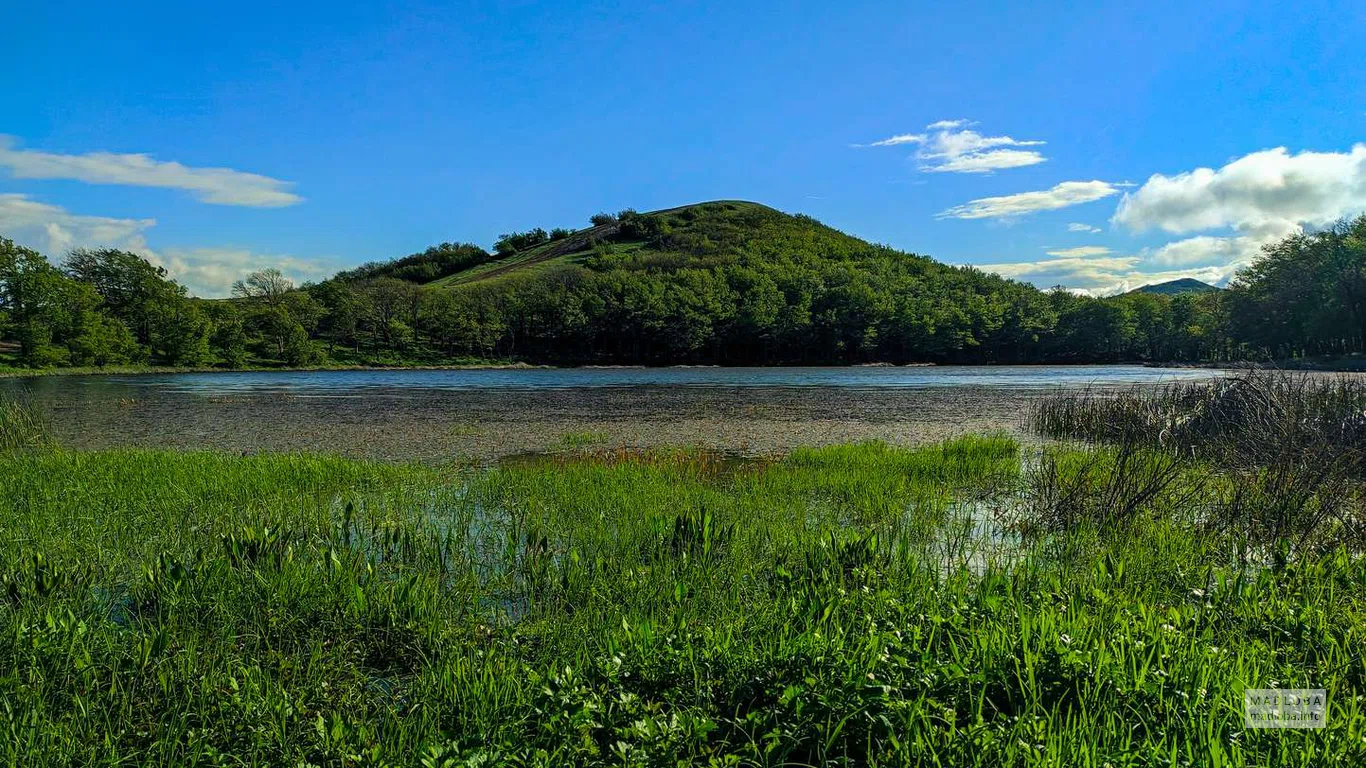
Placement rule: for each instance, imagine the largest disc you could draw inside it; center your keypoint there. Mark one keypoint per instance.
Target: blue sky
(1057, 143)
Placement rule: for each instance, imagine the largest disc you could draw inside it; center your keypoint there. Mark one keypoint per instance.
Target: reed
(1254, 418)
(23, 427)
(1283, 456)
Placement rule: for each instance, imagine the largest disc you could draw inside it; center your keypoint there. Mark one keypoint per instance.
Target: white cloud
(1104, 276)
(223, 186)
(1206, 250)
(899, 139)
(1267, 194)
(1094, 270)
(1257, 199)
(1071, 265)
(1230, 212)
(1075, 227)
(1080, 252)
(210, 272)
(1063, 195)
(55, 230)
(1123, 282)
(206, 272)
(950, 146)
(985, 162)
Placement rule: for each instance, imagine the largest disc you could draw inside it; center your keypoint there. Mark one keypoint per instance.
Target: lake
(485, 414)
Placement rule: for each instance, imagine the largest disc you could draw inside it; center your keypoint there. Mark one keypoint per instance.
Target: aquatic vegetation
(23, 427)
(1283, 456)
(1253, 418)
(1111, 491)
(643, 608)
(583, 439)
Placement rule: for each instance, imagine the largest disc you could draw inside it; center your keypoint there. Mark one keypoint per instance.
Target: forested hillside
(728, 283)
(1173, 287)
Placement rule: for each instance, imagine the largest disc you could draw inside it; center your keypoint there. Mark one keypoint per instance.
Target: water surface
(483, 414)
(875, 377)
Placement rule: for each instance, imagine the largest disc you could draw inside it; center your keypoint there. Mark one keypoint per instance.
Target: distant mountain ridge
(1173, 287)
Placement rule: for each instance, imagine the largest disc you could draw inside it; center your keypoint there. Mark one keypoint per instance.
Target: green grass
(519, 264)
(715, 218)
(23, 427)
(583, 439)
(862, 605)
(526, 264)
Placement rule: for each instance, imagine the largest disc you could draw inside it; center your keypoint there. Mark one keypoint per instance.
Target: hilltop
(1173, 287)
(689, 235)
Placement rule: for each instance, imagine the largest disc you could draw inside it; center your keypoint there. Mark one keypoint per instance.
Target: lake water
(875, 377)
(441, 414)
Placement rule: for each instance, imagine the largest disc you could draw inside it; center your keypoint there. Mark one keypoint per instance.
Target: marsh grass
(1112, 491)
(1252, 419)
(619, 607)
(1282, 456)
(583, 439)
(23, 427)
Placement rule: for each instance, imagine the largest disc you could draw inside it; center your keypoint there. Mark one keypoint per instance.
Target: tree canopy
(726, 283)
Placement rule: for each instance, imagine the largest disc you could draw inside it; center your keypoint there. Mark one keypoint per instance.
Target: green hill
(691, 235)
(1173, 287)
(726, 282)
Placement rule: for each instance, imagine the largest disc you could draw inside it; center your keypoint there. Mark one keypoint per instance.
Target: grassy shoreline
(858, 604)
(966, 603)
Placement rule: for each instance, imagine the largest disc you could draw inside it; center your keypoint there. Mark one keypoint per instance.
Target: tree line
(720, 284)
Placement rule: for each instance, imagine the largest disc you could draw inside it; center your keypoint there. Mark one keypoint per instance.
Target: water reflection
(485, 414)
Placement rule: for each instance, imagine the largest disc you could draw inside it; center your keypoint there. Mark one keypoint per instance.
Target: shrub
(1288, 452)
(639, 226)
(514, 242)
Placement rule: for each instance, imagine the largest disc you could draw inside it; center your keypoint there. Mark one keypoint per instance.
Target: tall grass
(23, 428)
(638, 609)
(1109, 491)
(1283, 455)
(1252, 419)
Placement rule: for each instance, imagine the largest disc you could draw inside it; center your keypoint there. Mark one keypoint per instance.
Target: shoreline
(1329, 365)
(150, 370)
(483, 424)
(1310, 364)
